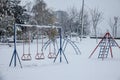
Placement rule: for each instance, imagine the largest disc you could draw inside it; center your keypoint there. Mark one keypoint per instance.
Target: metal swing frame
(26, 57)
(15, 55)
(39, 56)
(52, 55)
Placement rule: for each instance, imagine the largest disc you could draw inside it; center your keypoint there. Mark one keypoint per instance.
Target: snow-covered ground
(79, 67)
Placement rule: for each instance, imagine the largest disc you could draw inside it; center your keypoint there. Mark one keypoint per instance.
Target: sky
(109, 8)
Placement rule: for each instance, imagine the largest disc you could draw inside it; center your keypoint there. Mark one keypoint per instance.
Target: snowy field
(79, 67)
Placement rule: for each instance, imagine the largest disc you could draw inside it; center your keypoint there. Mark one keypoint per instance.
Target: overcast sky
(110, 8)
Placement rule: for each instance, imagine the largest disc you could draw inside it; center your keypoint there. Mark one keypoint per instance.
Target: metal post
(60, 51)
(60, 45)
(82, 20)
(15, 45)
(15, 54)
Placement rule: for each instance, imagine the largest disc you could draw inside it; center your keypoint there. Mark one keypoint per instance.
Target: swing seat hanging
(51, 55)
(39, 56)
(26, 57)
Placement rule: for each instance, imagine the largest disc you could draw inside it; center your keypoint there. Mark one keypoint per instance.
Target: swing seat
(26, 57)
(39, 56)
(51, 55)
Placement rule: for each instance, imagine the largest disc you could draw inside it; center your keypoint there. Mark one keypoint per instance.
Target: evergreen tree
(10, 12)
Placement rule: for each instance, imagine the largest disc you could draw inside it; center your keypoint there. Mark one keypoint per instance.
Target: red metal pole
(94, 51)
(111, 52)
(114, 41)
(37, 42)
(23, 46)
(110, 45)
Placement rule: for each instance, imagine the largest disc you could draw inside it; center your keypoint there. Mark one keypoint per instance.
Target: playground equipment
(66, 41)
(39, 56)
(52, 33)
(49, 43)
(105, 45)
(26, 56)
(52, 55)
(62, 46)
(60, 53)
(15, 55)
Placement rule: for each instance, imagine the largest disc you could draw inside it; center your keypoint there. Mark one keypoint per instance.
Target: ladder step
(101, 45)
(102, 55)
(103, 51)
(113, 44)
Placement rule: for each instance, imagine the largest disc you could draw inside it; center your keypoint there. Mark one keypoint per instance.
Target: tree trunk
(96, 35)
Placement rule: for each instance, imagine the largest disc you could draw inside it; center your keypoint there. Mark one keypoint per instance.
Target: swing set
(52, 55)
(40, 55)
(25, 56)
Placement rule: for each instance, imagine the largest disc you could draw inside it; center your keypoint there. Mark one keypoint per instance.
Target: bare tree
(43, 15)
(73, 18)
(83, 23)
(74, 21)
(97, 17)
(71, 21)
(111, 25)
(114, 26)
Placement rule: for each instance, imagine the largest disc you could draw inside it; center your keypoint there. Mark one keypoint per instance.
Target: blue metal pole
(15, 45)
(60, 51)
(60, 45)
(15, 54)
(74, 46)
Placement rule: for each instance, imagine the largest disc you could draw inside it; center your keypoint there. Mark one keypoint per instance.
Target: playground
(79, 67)
(59, 40)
